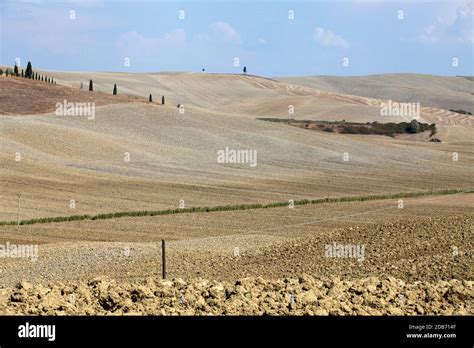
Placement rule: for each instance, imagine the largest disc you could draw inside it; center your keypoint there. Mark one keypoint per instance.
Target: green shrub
(235, 207)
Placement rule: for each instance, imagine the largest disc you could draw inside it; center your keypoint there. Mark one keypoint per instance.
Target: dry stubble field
(417, 260)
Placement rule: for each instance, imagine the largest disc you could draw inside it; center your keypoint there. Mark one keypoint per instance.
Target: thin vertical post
(163, 259)
(18, 211)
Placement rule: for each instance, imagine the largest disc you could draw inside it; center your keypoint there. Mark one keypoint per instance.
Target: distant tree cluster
(343, 127)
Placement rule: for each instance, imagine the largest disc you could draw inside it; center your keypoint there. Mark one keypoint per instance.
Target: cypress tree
(6, 73)
(162, 100)
(115, 89)
(22, 73)
(150, 99)
(15, 70)
(245, 69)
(1, 71)
(91, 86)
(29, 71)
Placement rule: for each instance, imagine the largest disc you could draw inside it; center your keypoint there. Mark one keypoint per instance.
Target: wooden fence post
(163, 259)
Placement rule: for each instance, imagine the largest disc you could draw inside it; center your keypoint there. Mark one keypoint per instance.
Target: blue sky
(371, 36)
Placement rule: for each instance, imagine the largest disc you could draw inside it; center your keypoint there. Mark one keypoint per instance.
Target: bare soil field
(249, 296)
(417, 261)
(42, 97)
(414, 259)
(413, 243)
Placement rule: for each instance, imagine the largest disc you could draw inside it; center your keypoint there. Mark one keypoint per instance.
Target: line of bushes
(343, 127)
(389, 129)
(232, 207)
(461, 111)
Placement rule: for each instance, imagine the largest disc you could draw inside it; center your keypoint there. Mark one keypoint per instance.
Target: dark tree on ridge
(29, 71)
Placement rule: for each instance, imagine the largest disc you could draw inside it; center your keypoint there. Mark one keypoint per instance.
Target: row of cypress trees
(28, 73)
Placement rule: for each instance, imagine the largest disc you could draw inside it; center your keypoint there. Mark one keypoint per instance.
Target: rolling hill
(173, 156)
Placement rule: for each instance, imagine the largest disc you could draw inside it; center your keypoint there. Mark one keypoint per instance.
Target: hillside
(20, 96)
(445, 92)
(242, 95)
(173, 156)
